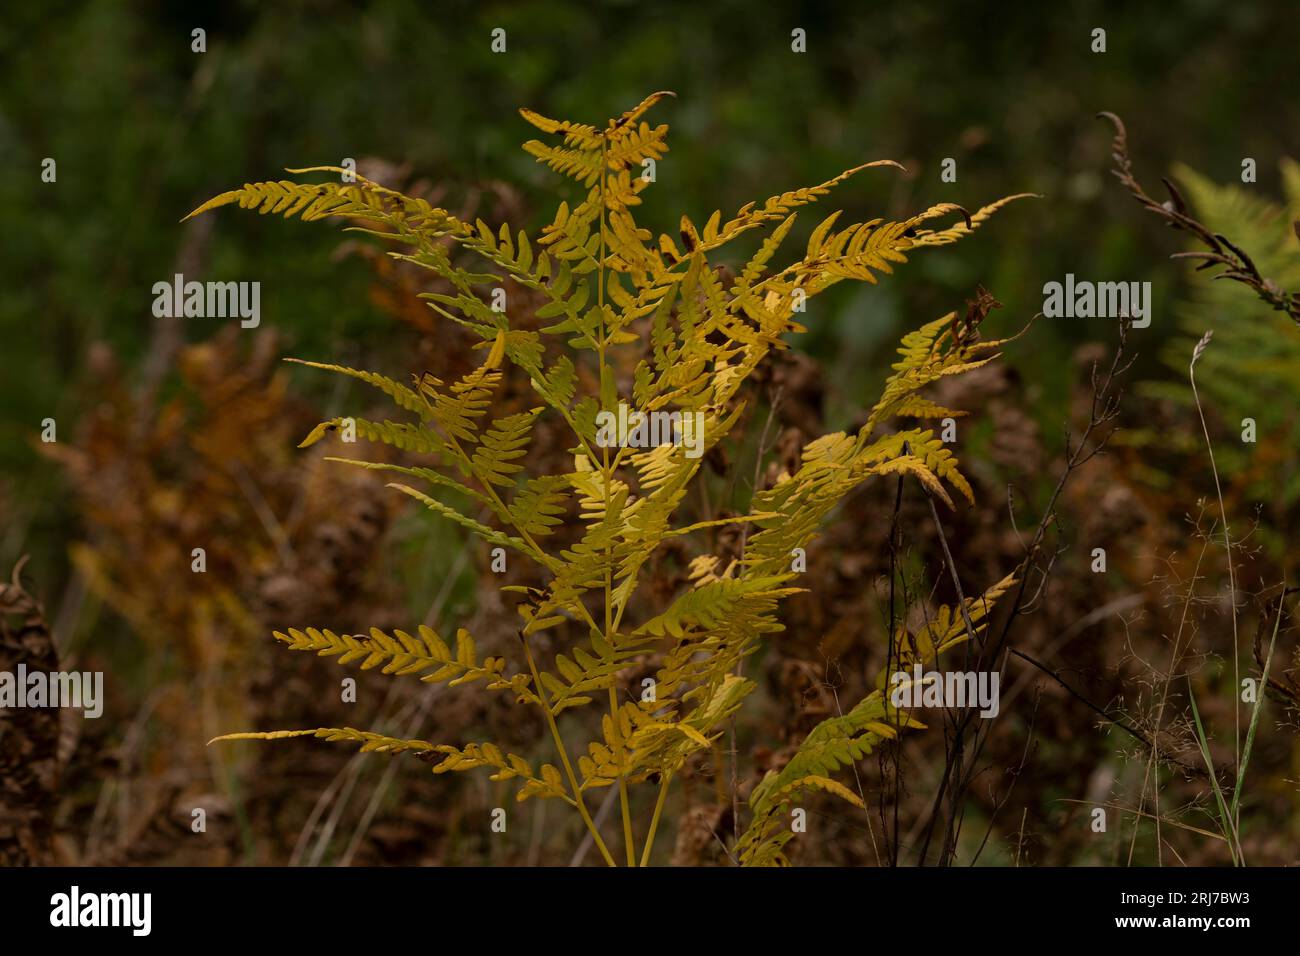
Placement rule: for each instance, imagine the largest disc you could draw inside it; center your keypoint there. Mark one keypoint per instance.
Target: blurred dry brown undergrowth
(290, 542)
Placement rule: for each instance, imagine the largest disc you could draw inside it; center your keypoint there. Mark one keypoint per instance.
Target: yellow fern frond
(943, 237)
(662, 319)
(403, 395)
(490, 535)
(407, 437)
(368, 740)
(575, 134)
(400, 653)
(496, 456)
(545, 783)
(582, 165)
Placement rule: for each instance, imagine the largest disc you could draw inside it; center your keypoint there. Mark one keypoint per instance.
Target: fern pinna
(606, 285)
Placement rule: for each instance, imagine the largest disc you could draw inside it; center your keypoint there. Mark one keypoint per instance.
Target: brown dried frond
(30, 759)
(1223, 252)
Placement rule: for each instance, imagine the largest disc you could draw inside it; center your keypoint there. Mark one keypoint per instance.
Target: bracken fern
(695, 338)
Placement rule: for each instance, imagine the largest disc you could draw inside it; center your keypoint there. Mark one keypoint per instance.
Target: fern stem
(607, 475)
(564, 755)
(629, 844)
(654, 820)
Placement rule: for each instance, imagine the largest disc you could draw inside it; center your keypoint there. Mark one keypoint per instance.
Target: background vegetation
(169, 434)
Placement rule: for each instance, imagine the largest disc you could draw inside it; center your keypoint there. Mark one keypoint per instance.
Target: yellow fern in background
(607, 284)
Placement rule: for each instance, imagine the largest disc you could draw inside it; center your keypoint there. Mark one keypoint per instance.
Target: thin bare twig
(1237, 266)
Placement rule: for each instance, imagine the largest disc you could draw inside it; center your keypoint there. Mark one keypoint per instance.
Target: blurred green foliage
(143, 129)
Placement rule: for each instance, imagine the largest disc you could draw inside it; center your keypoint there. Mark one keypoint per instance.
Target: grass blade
(1225, 818)
(1254, 717)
